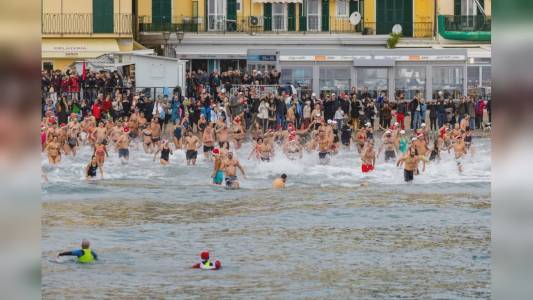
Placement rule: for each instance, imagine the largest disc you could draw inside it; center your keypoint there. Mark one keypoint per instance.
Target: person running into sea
(100, 151)
(435, 152)
(123, 144)
(459, 149)
(279, 182)
(410, 163)
(84, 255)
(208, 139)
(230, 166)
(388, 145)
(368, 157)
(192, 143)
(402, 142)
(147, 140)
(53, 150)
(177, 136)
(217, 174)
(165, 153)
(90, 169)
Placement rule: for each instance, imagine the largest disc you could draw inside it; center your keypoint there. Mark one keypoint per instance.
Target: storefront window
(300, 77)
(373, 80)
(473, 77)
(447, 81)
(486, 76)
(334, 80)
(410, 81)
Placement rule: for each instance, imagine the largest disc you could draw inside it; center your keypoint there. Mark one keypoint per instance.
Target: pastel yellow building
(264, 16)
(75, 30)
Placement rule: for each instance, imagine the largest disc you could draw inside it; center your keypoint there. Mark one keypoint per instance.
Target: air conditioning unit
(255, 21)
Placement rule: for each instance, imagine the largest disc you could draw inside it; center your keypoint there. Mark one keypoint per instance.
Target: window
(410, 81)
(372, 80)
(239, 5)
(215, 12)
(449, 81)
(300, 77)
(313, 15)
(473, 77)
(469, 7)
(279, 15)
(342, 8)
(486, 76)
(334, 79)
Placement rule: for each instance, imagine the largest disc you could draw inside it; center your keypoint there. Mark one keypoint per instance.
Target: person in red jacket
(97, 110)
(107, 104)
(65, 85)
(480, 106)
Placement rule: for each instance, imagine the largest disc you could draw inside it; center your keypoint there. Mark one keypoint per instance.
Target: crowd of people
(281, 122)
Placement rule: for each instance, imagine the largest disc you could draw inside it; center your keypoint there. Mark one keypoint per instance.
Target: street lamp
(179, 35)
(166, 37)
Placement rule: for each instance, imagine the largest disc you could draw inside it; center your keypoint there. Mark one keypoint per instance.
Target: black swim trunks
(230, 180)
(408, 175)
(266, 158)
(208, 148)
(123, 153)
(156, 139)
(191, 154)
(322, 155)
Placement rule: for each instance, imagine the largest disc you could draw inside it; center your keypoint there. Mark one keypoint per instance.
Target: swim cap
(204, 255)
(126, 129)
(216, 151)
(402, 131)
(423, 125)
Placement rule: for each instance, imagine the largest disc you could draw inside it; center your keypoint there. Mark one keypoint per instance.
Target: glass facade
(298, 76)
(375, 80)
(473, 77)
(448, 80)
(410, 81)
(334, 79)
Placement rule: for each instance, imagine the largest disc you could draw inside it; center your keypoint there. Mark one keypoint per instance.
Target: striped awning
(278, 1)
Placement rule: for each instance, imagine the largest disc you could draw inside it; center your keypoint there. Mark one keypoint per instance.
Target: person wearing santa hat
(218, 174)
(206, 264)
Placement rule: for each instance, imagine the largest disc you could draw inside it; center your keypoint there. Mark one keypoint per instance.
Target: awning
(77, 48)
(278, 1)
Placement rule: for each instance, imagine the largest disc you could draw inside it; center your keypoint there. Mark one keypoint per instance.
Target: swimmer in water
(389, 146)
(206, 264)
(123, 144)
(165, 153)
(191, 143)
(279, 182)
(368, 156)
(410, 163)
(230, 166)
(217, 175)
(459, 149)
(84, 255)
(90, 169)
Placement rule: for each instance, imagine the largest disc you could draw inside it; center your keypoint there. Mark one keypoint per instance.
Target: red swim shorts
(366, 168)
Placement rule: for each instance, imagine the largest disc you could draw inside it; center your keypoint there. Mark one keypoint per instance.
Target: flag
(83, 72)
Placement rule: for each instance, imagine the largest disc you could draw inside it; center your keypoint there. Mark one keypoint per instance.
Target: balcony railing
(83, 24)
(467, 23)
(218, 23)
(422, 29)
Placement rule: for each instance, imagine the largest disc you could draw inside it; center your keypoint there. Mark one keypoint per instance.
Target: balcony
(467, 28)
(247, 24)
(83, 24)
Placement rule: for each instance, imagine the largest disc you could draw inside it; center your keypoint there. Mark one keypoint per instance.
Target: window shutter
(267, 15)
(291, 17)
(303, 16)
(325, 15)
